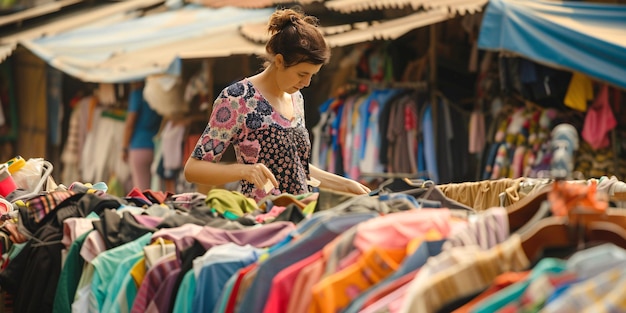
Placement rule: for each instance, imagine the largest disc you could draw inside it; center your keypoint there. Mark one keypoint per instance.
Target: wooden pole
(432, 57)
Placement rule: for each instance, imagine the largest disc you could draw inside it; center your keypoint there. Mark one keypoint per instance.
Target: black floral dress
(243, 117)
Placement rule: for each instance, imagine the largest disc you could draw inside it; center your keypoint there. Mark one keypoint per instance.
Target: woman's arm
(335, 182)
(215, 174)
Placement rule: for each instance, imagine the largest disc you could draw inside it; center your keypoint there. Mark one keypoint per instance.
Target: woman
(263, 117)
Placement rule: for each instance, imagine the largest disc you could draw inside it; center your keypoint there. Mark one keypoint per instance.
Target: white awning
(100, 15)
(132, 49)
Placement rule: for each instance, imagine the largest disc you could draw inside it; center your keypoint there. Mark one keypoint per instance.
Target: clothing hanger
(526, 211)
(396, 182)
(588, 220)
(608, 232)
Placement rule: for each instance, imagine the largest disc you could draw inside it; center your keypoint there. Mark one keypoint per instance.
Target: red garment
(230, 306)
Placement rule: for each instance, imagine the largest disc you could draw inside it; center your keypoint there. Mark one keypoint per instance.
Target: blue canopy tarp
(586, 37)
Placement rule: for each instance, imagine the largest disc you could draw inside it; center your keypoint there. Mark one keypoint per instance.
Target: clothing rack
(418, 85)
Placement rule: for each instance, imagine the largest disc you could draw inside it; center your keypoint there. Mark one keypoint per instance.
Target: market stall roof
(347, 34)
(249, 4)
(36, 11)
(586, 37)
(349, 6)
(457, 6)
(121, 43)
(6, 50)
(132, 49)
(94, 16)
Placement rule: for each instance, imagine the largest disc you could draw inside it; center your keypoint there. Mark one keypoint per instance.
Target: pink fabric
(73, 227)
(148, 220)
(599, 121)
(518, 162)
(93, 245)
(394, 231)
(273, 213)
(477, 132)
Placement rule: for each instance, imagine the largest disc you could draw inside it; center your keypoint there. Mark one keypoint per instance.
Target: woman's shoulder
(240, 89)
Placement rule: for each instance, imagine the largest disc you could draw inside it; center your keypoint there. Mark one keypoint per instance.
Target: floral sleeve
(224, 125)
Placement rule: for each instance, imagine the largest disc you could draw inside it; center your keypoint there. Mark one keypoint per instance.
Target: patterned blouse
(243, 117)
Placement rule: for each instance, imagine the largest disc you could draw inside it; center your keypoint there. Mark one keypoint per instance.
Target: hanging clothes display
(410, 246)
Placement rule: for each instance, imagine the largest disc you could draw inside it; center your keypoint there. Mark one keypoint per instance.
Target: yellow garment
(580, 91)
(138, 272)
(235, 202)
(309, 208)
(481, 195)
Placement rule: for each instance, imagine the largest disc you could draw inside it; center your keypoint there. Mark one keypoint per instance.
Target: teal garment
(119, 280)
(514, 292)
(15, 249)
(126, 295)
(69, 277)
(105, 265)
(225, 294)
(184, 297)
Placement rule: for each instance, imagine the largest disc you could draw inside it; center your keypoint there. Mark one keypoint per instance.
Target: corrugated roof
(115, 44)
(132, 49)
(106, 14)
(257, 32)
(457, 6)
(391, 29)
(344, 35)
(249, 4)
(6, 51)
(36, 11)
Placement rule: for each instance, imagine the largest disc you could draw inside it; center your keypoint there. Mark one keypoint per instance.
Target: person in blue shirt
(142, 124)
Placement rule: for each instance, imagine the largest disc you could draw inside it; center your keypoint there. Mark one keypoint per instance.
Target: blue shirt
(318, 237)
(147, 124)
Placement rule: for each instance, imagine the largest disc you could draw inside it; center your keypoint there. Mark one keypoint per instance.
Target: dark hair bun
(284, 18)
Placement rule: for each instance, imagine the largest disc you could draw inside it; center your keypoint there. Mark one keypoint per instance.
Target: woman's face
(293, 78)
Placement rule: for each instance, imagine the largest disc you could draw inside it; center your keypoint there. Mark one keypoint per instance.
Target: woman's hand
(336, 182)
(355, 187)
(259, 174)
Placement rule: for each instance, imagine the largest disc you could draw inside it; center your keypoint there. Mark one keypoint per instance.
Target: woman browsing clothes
(263, 118)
